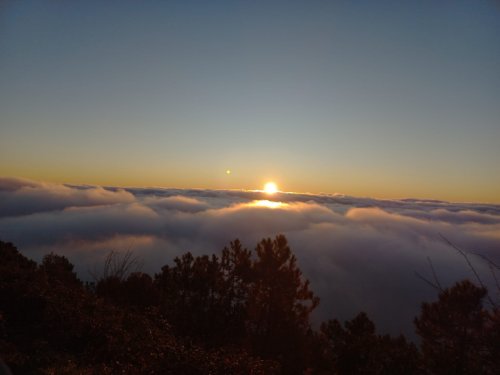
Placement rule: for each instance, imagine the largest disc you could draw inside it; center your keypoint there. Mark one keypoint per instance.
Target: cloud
(359, 253)
(458, 217)
(23, 197)
(178, 203)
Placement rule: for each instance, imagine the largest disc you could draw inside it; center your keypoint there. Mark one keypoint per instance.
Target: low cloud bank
(359, 253)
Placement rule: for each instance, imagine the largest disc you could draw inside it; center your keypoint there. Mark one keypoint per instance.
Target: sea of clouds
(360, 254)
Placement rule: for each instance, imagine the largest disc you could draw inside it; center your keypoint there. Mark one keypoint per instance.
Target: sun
(270, 188)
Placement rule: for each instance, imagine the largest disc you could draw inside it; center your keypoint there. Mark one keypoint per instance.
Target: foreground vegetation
(239, 312)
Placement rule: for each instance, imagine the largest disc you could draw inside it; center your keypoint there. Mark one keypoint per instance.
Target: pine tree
(453, 330)
(279, 305)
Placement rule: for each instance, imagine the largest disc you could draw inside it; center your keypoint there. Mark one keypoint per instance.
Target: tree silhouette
(191, 295)
(53, 327)
(241, 312)
(236, 278)
(206, 297)
(279, 305)
(453, 331)
(135, 291)
(59, 270)
(492, 340)
(355, 348)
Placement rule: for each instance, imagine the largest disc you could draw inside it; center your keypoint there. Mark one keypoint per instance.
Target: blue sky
(385, 99)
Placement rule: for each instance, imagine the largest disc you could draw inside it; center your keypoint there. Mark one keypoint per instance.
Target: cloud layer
(359, 253)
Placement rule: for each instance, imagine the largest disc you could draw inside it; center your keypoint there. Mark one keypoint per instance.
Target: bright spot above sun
(270, 188)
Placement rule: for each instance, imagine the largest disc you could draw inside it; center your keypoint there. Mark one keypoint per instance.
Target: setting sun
(270, 188)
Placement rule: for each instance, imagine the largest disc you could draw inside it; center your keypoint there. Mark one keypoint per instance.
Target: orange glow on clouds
(267, 204)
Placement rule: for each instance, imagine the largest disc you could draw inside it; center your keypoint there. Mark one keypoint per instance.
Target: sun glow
(270, 188)
(267, 204)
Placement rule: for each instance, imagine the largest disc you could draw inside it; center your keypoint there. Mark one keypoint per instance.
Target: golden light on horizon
(267, 204)
(270, 188)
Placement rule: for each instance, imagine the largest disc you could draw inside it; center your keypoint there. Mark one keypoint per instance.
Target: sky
(360, 254)
(386, 99)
